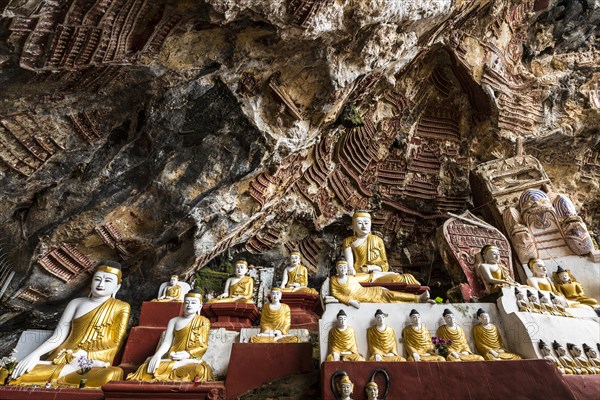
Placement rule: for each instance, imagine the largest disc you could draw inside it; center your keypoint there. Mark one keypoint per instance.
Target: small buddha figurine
(547, 306)
(592, 356)
(92, 327)
(570, 288)
(566, 361)
(366, 255)
(346, 289)
(581, 360)
(372, 390)
(342, 341)
(491, 271)
(559, 306)
(295, 277)
(345, 388)
(171, 291)
(534, 304)
(488, 340)
(547, 355)
(239, 288)
(275, 321)
(381, 339)
(539, 280)
(417, 341)
(179, 356)
(459, 349)
(522, 302)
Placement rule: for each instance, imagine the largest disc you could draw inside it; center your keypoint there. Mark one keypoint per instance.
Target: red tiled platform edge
(30, 393)
(398, 287)
(526, 379)
(231, 316)
(583, 386)
(141, 344)
(252, 365)
(163, 390)
(304, 308)
(159, 313)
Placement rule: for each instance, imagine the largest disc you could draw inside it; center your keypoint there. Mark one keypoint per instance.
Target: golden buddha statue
(492, 272)
(381, 339)
(417, 341)
(349, 291)
(184, 343)
(592, 355)
(295, 277)
(239, 288)
(566, 361)
(488, 340)
(547, 355)
(172, 290)
(568, 286)
(534, 304)
(580, 359)
(345, 388)
(365, 252)
(540, 280)
(372, 390)
(459, 349)
(342, 341)
(559, 307)
(522, 302)
(90, 328)
(275, 321)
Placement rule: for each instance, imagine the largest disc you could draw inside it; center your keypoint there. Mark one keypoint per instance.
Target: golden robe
(277, 320)
(174, 292)
(459, 344)
(548, 287)
(352, 290)
(571, 364)
(574, 291)
(340, 341)
(589, 366)
(298, 275)
(100, 333)
(243, 287)
(560, 367)
(192, 338)
(419, 341)
(487, 339)
(382, 343)
(498, 274)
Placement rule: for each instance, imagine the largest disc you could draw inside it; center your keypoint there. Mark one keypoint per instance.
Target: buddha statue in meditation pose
(381, 340)
(491, 271)
(172, 290)
(346, 289)
(372, 391)
(488, 340)
(179, 355)
(522, 302)
(566, 361)
(90, 327)
(592, 355)
(534, 303)
(342, 341)
(239, 288)
(417, 340)
(581, 360)
(570, 288)
(547, 355)
(459, 349)
(275, 321)
(295, 277)
(547, 305)
(540, 280)
(366, 256)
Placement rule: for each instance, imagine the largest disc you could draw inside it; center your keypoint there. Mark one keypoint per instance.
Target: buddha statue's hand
(416, 357)
(179, 355)
(26, 365)
(277, 333)
(336, 356)
(455, 354)
(236, 298)
(494, 353)
(153, 363)
(222, 296)
(378, 357)
(354, 303)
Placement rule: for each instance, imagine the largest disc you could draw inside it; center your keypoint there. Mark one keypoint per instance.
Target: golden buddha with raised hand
(342, 341)
(275, 321)
(90, 328)
(239, 288)
(295, 277)
(488, 340)
(381, 340)
(184, 343)
(417, 340)
(459, 349)
(568, 286)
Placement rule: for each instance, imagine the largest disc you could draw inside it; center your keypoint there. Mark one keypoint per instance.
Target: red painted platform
(254, 364)
(141, 344)
(231, 316)
(163, 390)
(31, 393)
(583, 387)
(305, 308)
(525, 379)
(158, 314)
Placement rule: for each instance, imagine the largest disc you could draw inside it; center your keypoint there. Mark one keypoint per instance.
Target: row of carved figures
(579, 362)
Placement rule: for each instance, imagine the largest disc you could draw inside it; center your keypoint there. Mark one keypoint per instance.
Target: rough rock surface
(174, 135)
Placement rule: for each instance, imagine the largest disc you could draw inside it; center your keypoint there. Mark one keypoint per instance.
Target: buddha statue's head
(490, 254)
(538, 268)
(543, 299)
(574, 349)
(295, 258)
(276, 295)
(448, 317)
(554, 299)
(518, 294)
(544, 348)
(558, 348)
(589, 352)
(361, 223)
(372, 390)
(174, 279)
(345, 386)
(241, 267)
(563, 276)
(380, 317)
(106, 280)
(341, 266)
(342, 319)
(192, 302)
(483, 316)
(532, 297)
(415, 317)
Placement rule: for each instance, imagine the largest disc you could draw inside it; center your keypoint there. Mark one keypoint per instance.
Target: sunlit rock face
(175, 135)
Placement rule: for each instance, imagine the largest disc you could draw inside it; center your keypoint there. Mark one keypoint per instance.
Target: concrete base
(158, 314)
(231, 316)
(31, 393)
(163, 390)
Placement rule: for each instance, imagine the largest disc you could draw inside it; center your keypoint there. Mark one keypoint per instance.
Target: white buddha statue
(174, 290)
(491, 271)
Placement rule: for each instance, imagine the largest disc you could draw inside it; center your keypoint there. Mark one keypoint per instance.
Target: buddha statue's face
(449, 318)
(173, 281)
(361, 225)
(560, 351)
(372, 392)
(380, 319)
(539, 269)
(564, 277)
(591, 353)
(342, 321)
(342, 269)
(533, 299)
(191, 305)
(484, 318)
(241, 269)
(104, 284)
(295, 259)
(545, 350)
(346, 389)
(544, 300)
(415, 319)
(492, 256)
(519, 295)
(575, 351)
(276, 296)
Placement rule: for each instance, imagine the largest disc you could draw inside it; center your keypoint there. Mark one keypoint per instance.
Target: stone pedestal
(158, 314)
(231, 316)
(163, 390)
(31, 393)
(305, 309)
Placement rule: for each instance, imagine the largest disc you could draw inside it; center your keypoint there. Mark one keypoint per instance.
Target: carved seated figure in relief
(459, 349)
(540, 281)
(346, 289)
(372, 391)
(488, 340)
(534, 303)
(568, 286)
(492, 272)
(179, 355)
(592, 355)
(417, 340)
(547, 355)
(239, 288)
(342, 341)
(558, 306)
(365, 252)
(566, 361)
(522, 302)
(295, 277)
(546, 305)
(172, 290)
(381, 340)
(275, 322)
(581, 360)
(92, 326)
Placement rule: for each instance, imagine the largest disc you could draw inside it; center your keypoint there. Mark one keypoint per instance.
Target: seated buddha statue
(459, 350)
(172, 290)
(179, 355)
(345, 388)
(581, 360)
(540, 281)
(417, 340)
(295, 277)
(342, 341)
(488, 340)
(365, 252)
(92, 326)
(547, 355)
(592, 355)
(275, 321)
(239, 288)
(491, 271)
(372, 390)
(559, 306)
(566, 361)
(346, 289)
(570, 288)
(534, 303)
(547, 306)
(381, 340)
(522, 302)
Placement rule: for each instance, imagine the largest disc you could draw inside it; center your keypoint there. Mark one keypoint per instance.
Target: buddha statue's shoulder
(348, 241)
